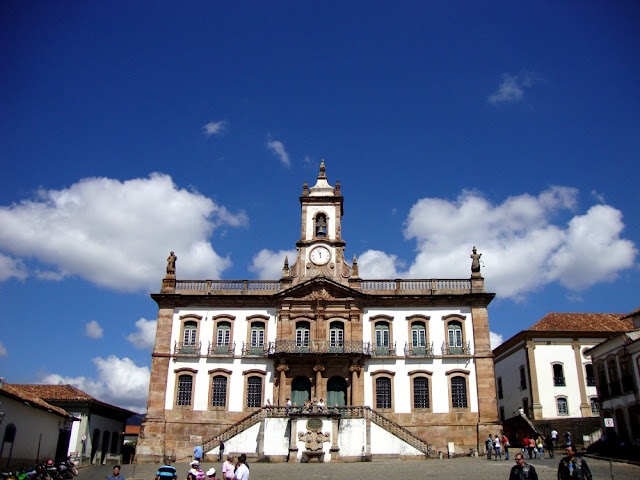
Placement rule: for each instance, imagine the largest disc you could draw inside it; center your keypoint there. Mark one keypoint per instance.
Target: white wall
(33, 426)
(508, 367)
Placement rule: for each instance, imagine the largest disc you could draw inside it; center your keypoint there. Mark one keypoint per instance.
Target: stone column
(318, 368)
(293, 440)
(355, 370)
(485, 372)
(585, 407)
(283, 369)
(536, 406)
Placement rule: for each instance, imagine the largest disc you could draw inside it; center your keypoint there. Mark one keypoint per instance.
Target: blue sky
(132, 129)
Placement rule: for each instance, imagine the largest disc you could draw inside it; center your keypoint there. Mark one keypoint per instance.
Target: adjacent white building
(546, 372)
(617, 375)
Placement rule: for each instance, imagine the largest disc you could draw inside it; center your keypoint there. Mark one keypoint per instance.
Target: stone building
(544, 371)
(412, 356)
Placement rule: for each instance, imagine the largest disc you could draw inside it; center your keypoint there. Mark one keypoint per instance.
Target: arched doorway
(95, 440)
(336, 392)
(300, 390)
(105, 446)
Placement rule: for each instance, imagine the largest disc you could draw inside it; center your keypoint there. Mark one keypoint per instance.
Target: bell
(321, 231)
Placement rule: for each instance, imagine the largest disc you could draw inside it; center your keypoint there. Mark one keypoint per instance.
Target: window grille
(421, 392)
(254, 392)
(185, 386)
(458, 392)
(219, 391)
(383, 393)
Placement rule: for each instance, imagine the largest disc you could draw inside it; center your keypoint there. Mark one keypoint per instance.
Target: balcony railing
(254, 350)
(320, 347)
(456, 350)
(227, 350)
(559, 382)
(187, 349)
(384, 350)
(432, 286)
(591, 382)
(411, 350)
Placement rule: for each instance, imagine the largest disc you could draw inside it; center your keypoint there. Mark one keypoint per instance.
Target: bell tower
(320, 248)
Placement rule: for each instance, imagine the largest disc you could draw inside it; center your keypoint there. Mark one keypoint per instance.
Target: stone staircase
(356, 412)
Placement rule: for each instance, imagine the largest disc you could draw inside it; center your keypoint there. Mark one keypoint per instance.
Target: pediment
(320, 288)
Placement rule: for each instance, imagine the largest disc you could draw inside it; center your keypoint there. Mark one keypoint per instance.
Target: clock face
(320, 255)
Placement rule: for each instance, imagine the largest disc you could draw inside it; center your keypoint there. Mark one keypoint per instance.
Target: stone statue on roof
(475, 261)
(171, 264)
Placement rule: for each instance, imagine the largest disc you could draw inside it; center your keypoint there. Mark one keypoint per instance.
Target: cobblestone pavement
(450, 469)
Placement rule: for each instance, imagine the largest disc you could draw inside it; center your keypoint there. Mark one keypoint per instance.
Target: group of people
(230, 470)
(496, 445)
(571, 467)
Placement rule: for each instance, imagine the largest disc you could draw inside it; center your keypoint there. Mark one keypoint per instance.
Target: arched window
(563, 408)
(9, 433)
(336, 336)
(421, 392)
(190, 333)
(625, 372)
(459, 392)
(523, 378)
(185, 388)
(558, 375)
(595, 408)
(219, 391)
(223, 336)
(382, 338)
(418, 338)
(336, 392)
(383, 392)
(454, 335)
(254, 392)
(300, 390)
(256, 341)
(614, 378)
(321, 225)
(303, 334)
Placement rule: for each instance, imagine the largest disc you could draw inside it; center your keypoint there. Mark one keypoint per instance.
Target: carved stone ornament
(321, 294)
(313, 440)
(282, 368)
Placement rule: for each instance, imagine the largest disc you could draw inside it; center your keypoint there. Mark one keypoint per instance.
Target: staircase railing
(344, 411)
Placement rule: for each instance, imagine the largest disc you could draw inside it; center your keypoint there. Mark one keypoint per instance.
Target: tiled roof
(582, 322)
(67, 393)
(18, 393)
(57, 392)
(635, 312)
(132, 429)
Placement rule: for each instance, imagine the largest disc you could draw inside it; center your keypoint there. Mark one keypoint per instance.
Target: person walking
(116, 474)
(197, 453)
(549, 442)
(532, 448)
(554, 438)
(573, 467)
(489, 445)
(242, 472)
(505, 446)
(540, 447)
(496, 448)
(522, 470)
(525, 445)
(228, 468)
(221, 452)
(166, 472)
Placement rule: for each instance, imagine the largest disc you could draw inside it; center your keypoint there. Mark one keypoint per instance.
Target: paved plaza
(450, 469)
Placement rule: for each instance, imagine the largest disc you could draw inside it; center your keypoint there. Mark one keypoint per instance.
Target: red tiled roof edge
(17, 393)
(582, 322)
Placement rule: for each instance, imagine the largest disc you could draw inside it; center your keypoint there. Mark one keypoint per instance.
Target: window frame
(184, 320)
(252, 322)
(186, 372)
(245, 398)
(464, 375)
(218, 372)
(558, 380)
(563, 398)
(428, 376)
(461, 320)
(388, 375)
(377, 322)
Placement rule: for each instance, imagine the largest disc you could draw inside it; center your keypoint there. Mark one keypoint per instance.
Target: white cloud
(495, 339)
(215, 128)
(118, 234)
(522, 249)
(120, 382)
(144, 338)
(93, 330)
(278, 150)
(268, 265)
(511, 90)
(3, 350)
(11, 267)
(374, 264)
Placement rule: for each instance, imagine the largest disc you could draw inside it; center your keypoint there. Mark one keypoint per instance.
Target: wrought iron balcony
(227, 350)
(455, 350)
(384, 350)
(319, 347)
(187, 349)
(559, 382)
(411, 350)
(591, 381)
(254, 350)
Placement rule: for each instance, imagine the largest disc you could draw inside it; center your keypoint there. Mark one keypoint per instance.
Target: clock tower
(320, 248)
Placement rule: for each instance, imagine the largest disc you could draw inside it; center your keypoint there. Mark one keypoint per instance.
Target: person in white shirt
(320, 405)
(242, 471)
